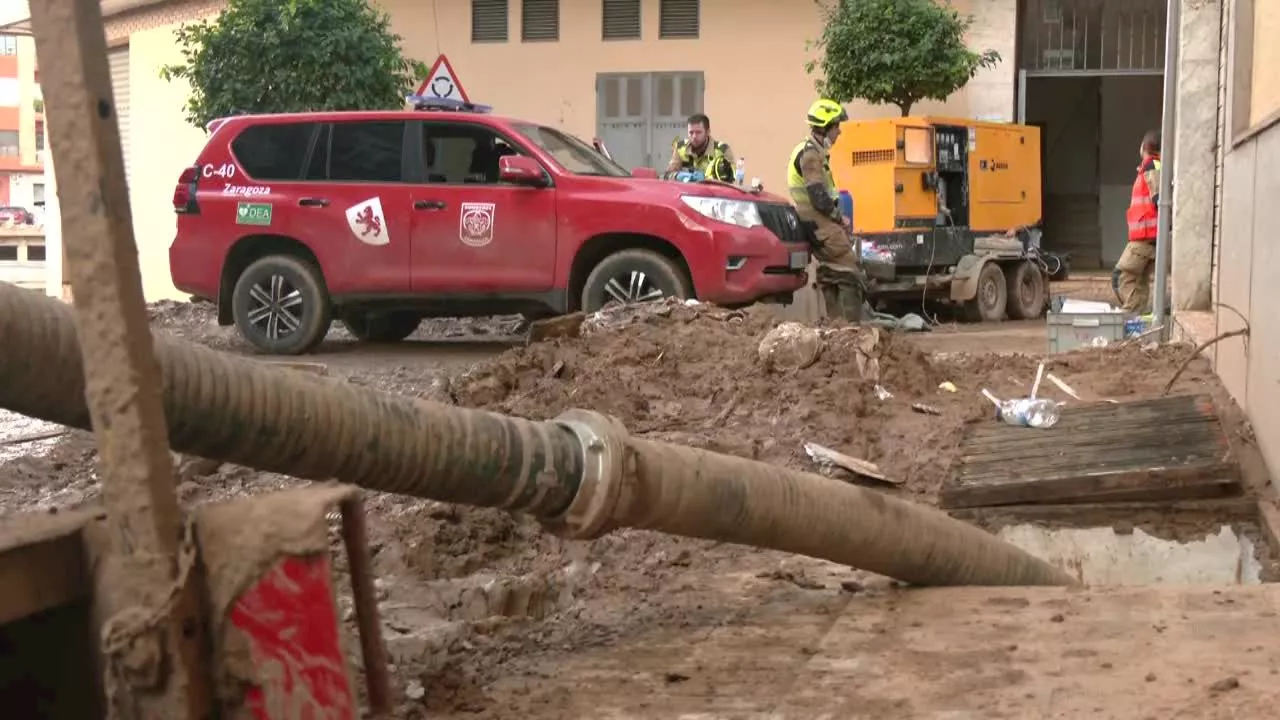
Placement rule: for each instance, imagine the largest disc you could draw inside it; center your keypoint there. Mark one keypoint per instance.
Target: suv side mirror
(520, 170)
(644, 172)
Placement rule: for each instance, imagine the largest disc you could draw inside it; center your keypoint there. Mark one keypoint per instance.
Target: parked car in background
(379, 219)
(11, 215)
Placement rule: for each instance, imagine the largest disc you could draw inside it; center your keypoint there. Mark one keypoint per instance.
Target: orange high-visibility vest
(1143, 215)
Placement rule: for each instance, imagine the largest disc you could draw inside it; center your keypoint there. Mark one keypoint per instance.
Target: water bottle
(741, 170)
(1029, 412)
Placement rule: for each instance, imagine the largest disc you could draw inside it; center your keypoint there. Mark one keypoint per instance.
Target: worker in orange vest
(1132, 276)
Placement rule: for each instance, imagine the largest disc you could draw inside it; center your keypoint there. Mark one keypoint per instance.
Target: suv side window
(273, 152)
(463, 154)
(361, 151)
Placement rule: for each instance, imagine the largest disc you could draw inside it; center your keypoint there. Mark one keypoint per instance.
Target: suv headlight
(742, 213)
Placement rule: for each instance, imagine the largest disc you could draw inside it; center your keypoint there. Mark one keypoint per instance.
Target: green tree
(894, 52)
(274, 56)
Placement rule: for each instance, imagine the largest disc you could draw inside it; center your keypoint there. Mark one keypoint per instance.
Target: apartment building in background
(21, 125)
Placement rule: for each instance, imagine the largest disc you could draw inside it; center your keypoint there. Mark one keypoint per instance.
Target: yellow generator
(948, 209)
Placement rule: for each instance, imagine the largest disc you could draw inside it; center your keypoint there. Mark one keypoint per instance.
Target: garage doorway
(1091, 77)
(638, 115)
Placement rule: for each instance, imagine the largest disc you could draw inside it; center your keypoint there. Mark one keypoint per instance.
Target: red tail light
(184, 194)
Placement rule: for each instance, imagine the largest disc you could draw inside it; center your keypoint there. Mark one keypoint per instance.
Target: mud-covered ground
(689, 375)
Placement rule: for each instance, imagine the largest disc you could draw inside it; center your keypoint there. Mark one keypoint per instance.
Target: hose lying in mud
(580, 475)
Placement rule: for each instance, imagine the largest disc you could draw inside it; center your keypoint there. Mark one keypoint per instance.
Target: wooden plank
(1167, 482)
(1049, 468)
(1226, 510)
(1166, 448)
(122, 385)
(1187, 410)
(42, 563)
(989, 439)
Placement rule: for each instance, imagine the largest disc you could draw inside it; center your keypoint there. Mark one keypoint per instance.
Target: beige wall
(751, 51)
(1265, 91)
(1249, 286)
(1248, 273)
(162, 142)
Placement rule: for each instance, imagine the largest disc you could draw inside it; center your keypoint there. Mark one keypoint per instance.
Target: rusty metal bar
(355, 537)
(153, 566)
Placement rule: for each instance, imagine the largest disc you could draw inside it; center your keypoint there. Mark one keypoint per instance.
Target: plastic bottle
(1029, 412)
(741, 170)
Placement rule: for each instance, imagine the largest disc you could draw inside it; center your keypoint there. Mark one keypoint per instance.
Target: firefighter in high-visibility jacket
(699, 152)
(813, 190)
(1132, 276)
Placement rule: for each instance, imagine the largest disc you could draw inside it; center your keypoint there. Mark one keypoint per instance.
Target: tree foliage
(894, 51)
(274, 56)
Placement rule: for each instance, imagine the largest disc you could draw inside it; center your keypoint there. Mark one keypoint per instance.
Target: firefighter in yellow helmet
(813, 190)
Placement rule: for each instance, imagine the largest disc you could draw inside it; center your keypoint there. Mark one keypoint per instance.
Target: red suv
(388, 217)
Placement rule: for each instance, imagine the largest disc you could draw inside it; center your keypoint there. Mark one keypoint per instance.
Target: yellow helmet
(824, 113)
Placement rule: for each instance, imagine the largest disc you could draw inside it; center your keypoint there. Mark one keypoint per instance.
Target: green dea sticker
(253, 214)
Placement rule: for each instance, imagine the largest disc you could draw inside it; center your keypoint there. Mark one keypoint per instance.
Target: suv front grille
(782, 221)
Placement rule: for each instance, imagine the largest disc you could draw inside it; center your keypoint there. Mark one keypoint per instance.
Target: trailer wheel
(988, 305)
(1026, 291)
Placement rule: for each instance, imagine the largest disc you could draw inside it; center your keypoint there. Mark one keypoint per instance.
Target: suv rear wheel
(280, 305)
(633, 276)
(383, 327)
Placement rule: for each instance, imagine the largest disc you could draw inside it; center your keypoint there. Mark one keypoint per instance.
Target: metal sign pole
(1159, 307)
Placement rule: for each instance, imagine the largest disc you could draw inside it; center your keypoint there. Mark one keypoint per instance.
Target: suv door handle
(313, 202)
(428, 205)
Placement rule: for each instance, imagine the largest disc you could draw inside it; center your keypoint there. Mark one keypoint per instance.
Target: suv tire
(281, 306)
(382, 327)
(634, 276)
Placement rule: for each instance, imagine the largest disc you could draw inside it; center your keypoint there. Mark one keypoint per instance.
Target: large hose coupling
(605, 489)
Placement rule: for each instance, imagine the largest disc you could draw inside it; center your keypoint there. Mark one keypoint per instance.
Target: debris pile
(737, 382)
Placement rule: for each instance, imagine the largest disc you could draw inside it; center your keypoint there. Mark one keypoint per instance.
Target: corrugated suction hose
(239, 410)
(581, 475)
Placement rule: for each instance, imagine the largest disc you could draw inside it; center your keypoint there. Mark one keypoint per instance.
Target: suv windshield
(571, 153)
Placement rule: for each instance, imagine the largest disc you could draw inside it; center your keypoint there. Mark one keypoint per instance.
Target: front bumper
(753, 264)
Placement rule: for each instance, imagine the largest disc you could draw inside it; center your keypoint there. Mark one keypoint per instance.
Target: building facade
(1087, 72)
(21, 125)
(1247, 267)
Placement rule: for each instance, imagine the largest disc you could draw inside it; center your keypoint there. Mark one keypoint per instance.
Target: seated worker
(699, 153)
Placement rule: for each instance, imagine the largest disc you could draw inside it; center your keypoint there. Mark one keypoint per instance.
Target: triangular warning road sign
(442, 82)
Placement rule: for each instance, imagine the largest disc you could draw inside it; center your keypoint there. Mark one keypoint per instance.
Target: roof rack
(435, 104)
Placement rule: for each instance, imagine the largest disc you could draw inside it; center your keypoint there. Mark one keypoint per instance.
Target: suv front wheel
(280, 305)
(634, 276)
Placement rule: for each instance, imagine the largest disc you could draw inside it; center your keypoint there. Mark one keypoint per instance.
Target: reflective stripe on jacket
(796, 183)
(1143, 215)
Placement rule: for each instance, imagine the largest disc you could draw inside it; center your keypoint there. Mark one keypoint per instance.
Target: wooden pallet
(1171, 448)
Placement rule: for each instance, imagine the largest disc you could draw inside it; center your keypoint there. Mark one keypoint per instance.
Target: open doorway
(1091, 127)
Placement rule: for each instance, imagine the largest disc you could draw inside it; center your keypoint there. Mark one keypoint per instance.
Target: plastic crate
(1069, 331)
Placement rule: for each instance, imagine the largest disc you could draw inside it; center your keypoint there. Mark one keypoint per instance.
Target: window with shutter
(621, 20)
(540, 20)
(678, 18)
(489, 21)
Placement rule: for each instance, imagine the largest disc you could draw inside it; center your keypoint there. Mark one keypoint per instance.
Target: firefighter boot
(831, 299)
(851, 296)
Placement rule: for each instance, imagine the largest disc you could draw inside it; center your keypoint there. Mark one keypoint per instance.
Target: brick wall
(120, 27)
